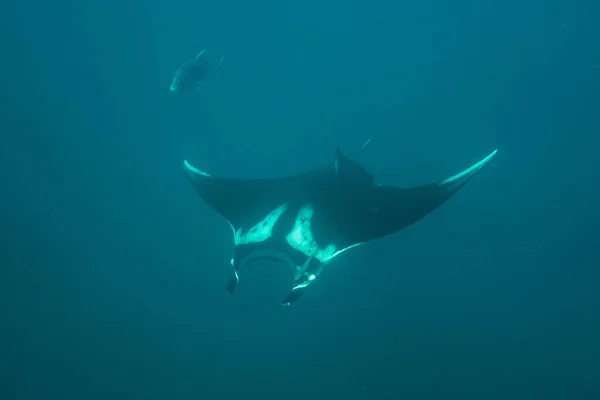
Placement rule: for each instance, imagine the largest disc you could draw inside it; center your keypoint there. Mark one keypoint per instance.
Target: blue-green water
(113, 270)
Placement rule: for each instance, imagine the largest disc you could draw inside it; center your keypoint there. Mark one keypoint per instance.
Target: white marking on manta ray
(304, 284)
(232, 227)
(301, 238)
(471, 169)
(337, 253)
(261, 231)
(195, 170)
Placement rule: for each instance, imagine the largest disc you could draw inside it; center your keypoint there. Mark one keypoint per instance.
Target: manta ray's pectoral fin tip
(194, 172)
(293, 296)
(218, 67)
(232, 283)
(465, 175)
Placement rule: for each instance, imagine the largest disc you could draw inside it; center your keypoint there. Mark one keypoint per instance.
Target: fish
(192, 74)
(308, 219)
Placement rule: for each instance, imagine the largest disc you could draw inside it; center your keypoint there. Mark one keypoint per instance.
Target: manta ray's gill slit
(261, 231)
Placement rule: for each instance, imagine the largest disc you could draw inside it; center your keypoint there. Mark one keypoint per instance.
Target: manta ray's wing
(383, 210)
(246, 202)
(200, 54)
(308, 219)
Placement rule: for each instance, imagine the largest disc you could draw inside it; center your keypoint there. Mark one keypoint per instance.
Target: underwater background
(112, 269)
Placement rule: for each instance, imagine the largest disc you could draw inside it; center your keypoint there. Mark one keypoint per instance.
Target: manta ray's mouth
(265, 255)
(301, 277)
(267, 258)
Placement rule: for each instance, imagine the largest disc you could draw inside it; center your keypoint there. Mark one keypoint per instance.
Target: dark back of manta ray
(347, 204)
(364, 211)
(350, 172)
(191, 74)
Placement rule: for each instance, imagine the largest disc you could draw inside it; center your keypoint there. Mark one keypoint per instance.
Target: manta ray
(192, 74)
(309, 219)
